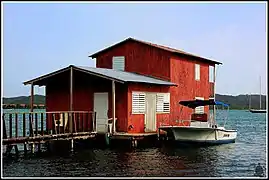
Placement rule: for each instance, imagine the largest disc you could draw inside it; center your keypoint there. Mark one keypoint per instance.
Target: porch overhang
(110, 74)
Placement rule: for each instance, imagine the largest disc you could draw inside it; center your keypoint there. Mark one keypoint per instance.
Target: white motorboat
(201, 130)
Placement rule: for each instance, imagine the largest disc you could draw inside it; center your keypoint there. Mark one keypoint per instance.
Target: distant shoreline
(240, 102)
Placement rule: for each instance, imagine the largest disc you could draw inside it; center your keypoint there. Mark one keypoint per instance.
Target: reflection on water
(231, 160)
(161, 161)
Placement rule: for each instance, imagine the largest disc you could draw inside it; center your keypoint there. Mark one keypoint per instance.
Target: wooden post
(113, 106)
(31, 109)
(214, 111)
(32, 97)
(71, 100)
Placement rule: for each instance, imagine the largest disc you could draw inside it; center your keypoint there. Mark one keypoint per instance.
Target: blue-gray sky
(40, 38)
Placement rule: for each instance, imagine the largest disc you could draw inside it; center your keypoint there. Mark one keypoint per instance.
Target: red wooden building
(135, 82)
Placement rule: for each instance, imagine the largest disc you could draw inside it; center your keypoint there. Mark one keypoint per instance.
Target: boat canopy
(195, 103)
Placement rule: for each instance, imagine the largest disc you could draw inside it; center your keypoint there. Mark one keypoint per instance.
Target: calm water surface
(238, 159)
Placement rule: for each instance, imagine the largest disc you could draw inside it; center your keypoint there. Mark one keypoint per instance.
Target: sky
(39, 38)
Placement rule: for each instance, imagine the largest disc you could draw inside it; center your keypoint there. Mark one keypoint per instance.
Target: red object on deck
(199, 117)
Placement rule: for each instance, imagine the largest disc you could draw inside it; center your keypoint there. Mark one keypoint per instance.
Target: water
(238, 159)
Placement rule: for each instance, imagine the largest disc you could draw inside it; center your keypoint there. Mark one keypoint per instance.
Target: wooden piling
(32, 148)
(16, 150)
(25, 148)
(39, 147)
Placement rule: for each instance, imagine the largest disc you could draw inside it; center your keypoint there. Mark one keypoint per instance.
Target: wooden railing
(32, 124)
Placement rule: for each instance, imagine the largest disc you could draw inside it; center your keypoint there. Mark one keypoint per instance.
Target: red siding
(137, 120)
(158, 63)
(139, 58)
(183, 74)
(57, 96)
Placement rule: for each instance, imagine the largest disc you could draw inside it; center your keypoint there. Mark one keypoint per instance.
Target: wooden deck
(45, 138)
(31, 127)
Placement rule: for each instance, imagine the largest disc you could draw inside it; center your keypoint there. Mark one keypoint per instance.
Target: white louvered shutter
(118, 63)
(163, 102)
(138, 102)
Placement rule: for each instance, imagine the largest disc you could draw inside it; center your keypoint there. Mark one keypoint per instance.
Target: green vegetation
(242, 101)
(235, 102)
(38, 99)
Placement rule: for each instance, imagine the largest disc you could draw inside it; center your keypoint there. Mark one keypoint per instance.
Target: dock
(31, 128)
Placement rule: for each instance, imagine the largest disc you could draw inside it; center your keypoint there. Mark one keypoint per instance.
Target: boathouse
(136, 85)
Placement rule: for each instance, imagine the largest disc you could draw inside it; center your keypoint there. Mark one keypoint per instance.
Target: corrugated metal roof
(125, 76)
(173, 50)
(121, 76)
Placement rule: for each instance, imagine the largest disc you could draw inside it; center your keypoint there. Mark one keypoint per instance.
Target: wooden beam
(113, 106)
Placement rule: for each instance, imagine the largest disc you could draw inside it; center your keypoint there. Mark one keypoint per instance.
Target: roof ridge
(163, 47)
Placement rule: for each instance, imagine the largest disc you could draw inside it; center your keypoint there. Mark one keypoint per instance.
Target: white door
(150, 115)
(101, 108)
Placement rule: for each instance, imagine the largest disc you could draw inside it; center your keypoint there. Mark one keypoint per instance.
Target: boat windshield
(195, 103)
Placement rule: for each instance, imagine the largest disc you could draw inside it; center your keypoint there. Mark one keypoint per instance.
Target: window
(118, 63)
(197, 71)
(138, 103)
(211, 74)
(199, 109)
(163, 102)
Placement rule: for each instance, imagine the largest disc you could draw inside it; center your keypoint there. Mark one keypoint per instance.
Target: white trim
(197, 72)
(211, 74)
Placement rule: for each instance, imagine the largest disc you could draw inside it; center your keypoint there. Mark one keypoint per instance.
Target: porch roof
(116, 75)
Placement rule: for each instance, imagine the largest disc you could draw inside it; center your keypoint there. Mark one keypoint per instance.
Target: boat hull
(197, 135)
(258, 110)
